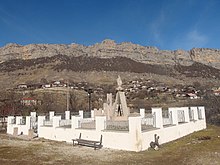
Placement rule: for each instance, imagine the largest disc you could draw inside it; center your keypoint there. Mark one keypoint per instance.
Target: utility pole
(89, 91)
(67, 97)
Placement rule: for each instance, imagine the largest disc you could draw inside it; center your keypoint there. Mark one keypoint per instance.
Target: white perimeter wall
(171, 133)
(124, 140)
(21, 128)
(132, 140)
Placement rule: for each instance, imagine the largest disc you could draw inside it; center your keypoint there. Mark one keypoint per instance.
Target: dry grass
(187, 150)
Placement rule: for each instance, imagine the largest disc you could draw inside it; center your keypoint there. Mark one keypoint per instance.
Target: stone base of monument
(30, 133)
(120, 118)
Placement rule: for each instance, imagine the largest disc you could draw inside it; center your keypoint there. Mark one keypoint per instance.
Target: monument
(118, 109)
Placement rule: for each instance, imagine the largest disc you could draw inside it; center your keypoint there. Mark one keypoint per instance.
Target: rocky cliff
(109, 49)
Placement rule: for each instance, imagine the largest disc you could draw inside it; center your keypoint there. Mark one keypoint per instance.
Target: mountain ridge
(108, 49)
(61, 63)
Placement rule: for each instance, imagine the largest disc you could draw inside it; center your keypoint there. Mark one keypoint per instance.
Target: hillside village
(135, 89)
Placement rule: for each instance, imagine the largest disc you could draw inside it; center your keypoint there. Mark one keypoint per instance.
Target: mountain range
(108, 49)
(36, 61)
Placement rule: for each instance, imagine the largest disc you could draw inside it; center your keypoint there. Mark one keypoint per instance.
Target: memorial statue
(117, 109)
(119, 82)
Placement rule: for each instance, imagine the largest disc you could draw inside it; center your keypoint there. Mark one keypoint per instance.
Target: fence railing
(3, 119)
(23, 121)
(66, 122)
(181, 116)
(149, 119)
(48, 122)
(199, 114)
(117, 125)
(86, 114)
(13, 121)
(191, 115)
(74, 113)
(165, 113)
(60, 114)
(148, 122)
(168, 119)
(47, 117)
(86, 123)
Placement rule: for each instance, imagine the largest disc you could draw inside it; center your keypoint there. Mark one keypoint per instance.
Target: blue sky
(166, 24)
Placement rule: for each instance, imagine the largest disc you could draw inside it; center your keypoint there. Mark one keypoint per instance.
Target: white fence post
(81, 113)
(28, 122)
(67, 115)
(10, 124)
(195, 112)
(33, 114)
(40, 120)
(100, 123)
(134, 124)
(51, 115)
(135, 132)
(75, 122)
(56, 121)
(92, 114)
(202, 109)
(174, 115)
(18, 120)
(159, 117)
(142, 112)
(40, 123)
(10, 118)
(203, 118)
(186, 113)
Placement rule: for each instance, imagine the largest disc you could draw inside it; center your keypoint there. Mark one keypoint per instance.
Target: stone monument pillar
(117, 110)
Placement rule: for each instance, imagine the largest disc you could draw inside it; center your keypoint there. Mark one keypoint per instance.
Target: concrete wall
(10, 126)
(171, 133)
(22, 129)
(132, 140)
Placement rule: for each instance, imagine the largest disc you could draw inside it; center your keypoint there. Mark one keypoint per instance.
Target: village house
(22, 86)
(192, 95)
(28, 101)
(216, 91)
(59, 84)
(46, 86)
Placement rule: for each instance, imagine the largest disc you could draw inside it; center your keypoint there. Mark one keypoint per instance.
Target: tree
(44, 81)
(10, 103)
(47, 103)
(196, 84)
(73, 101)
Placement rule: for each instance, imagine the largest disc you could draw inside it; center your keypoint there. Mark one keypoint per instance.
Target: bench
(88, 143)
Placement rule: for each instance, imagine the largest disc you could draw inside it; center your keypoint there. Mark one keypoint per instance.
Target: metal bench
(88, 143)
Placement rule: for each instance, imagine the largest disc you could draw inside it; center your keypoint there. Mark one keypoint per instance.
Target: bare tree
(10, 103)
(73, 101)
(47, 103)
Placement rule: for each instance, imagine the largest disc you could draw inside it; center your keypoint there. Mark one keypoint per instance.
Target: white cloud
(190, 40)
(156, 27)
(196, 39)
